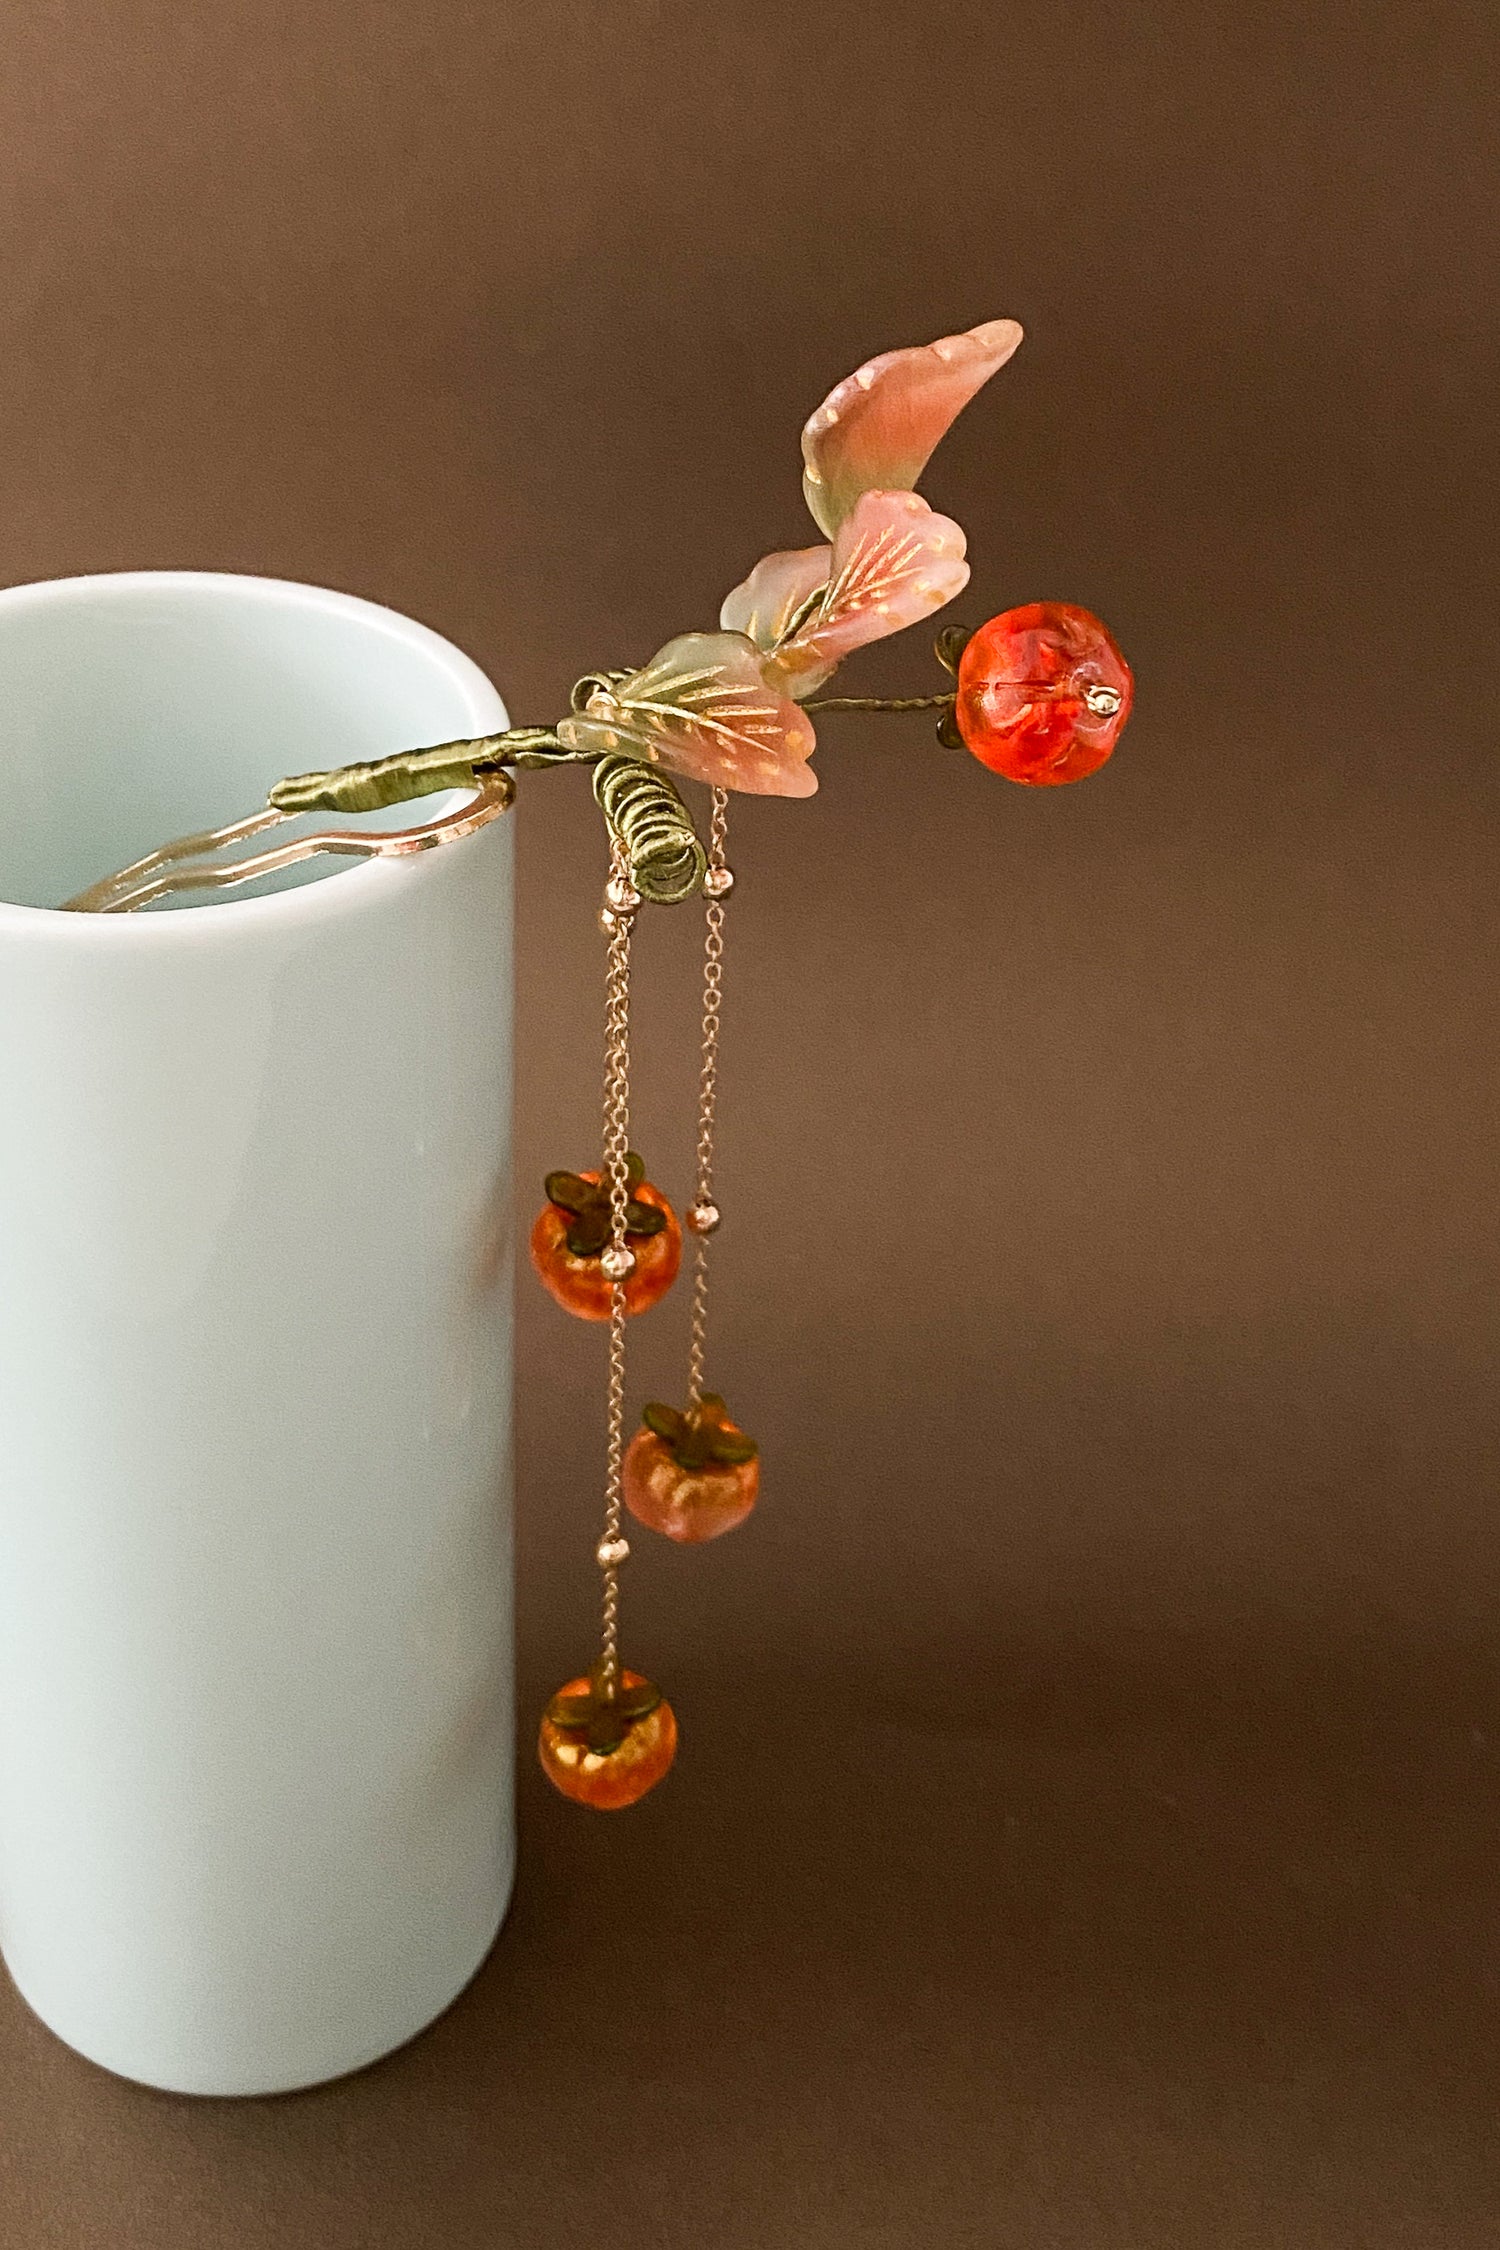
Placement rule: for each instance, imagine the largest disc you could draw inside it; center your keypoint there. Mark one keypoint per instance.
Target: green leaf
(635, 1169)
(950, 645)
(731, 1449)
(644, 1218)
(571, 1711)
(568, 1191)
(947, 731)
(664, 1421)
(607, 1729)
(589, 1233)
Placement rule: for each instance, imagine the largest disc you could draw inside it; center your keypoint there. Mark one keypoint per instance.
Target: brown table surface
(1085, 1832)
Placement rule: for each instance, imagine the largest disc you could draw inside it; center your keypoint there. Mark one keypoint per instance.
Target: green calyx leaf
(665, 1421)
(948, 732)
(604, 1721)
(568, 1191)
(696, 1437)
(950, 645)
(587, 1203)
(588, 1234)
(731, 1449)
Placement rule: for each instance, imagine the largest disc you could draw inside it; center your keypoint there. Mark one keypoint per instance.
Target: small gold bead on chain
(621, 895)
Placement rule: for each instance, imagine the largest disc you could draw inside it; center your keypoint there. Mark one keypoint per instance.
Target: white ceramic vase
(255, 1626)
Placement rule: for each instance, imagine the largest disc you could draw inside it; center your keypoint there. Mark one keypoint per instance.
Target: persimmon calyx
(950, 644)
(696, 1436)
(604, 1720)
(590, 1213)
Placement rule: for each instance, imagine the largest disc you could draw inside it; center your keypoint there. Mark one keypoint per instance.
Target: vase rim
(345, 889)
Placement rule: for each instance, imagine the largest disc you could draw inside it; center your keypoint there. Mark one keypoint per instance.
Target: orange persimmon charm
(1043, 694)
(607, 1749)
(571, 1239)
(691, 1475)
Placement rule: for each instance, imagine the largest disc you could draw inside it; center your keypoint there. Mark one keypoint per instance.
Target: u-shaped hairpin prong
(187, 864)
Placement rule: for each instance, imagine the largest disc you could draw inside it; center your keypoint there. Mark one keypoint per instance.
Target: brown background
(1086, 1835)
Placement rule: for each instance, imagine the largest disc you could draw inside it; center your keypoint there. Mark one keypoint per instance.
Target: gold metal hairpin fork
(642, 810)
(188, 865)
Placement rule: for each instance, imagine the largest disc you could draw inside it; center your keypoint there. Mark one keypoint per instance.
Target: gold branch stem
(879, 702)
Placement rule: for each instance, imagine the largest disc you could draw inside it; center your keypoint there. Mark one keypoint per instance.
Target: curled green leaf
(950, 645)
(731, 1448)
(568, 1191)
(589, 1232)
(664, 1421)
(570, 1711)
(644, 1218)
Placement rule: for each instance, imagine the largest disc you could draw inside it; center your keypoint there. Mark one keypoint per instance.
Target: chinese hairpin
(1039, 694)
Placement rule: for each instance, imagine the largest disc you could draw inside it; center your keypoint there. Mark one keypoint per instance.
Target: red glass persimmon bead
(606, 1753)
(1043, 693)
(691, 1475)
(571, 1241)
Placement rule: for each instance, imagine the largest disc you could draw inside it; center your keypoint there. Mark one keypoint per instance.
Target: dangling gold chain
(621, 901)
(703, 1218)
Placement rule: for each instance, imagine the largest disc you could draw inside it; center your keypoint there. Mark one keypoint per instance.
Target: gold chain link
(708, 1087)
(616, 1149)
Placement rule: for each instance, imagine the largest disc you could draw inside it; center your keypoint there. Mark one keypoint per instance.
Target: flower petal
(876, 430)
(895, 561)
(764, 604)
(704, 707)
